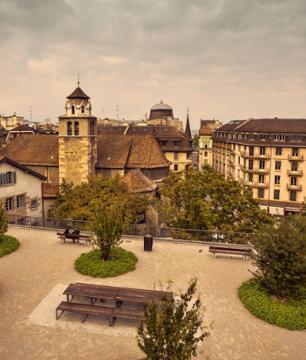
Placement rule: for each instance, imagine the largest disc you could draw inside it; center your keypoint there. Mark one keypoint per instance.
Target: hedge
(286, 313)
(8, 244)
(120, 262)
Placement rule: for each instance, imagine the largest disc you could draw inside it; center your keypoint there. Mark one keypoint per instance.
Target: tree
(3, 220)
(281, 257)
(195, 141)
(206, 201)
(173, 329)
(108, 223)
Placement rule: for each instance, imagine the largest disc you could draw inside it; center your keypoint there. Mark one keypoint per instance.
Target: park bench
(243, 250)
(74, 238)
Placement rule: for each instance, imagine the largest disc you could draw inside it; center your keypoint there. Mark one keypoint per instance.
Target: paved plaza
(32, 280)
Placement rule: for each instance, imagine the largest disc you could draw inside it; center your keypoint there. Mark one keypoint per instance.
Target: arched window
(72, 109)
(69, 128)
(82, 108)
(76, 128)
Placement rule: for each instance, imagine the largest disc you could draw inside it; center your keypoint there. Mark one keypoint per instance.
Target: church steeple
(187, 127)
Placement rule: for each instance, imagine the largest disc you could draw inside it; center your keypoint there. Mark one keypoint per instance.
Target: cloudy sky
(227, 59)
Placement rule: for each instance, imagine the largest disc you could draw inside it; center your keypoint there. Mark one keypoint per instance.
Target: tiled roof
(21, 167)
(78, 93)
(205, 131)
(137, 182)
(33, 149)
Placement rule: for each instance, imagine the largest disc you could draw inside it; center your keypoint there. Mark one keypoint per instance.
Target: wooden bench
(74, 238)
(126, 313)
(243, 250)
(84, 309)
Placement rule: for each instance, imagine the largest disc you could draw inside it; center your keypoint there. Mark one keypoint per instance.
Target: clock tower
(77, 139)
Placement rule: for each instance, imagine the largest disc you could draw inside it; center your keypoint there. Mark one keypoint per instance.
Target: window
(9, 203)
(82, 109)
(250, 177)
(176, 143)
(261, 164)
(20, 201)
(175, 167)
(206, 146)
(262, 150)
(69, 128)
(73, 109)
(276, 194)
(261, 178)
(295, 151)
(33, 203)
(205, 153)
(261, 193)
(8, 178)
(175, 156)
(250, 164)
(293, 180)
(278, 165)
(277, 179)
(292, 195)
(278, 151)
(92, 128)
(251, 150)
(76, 128)
(294, 166)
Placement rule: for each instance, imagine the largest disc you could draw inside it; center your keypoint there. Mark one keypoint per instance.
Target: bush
(3, 220)
(119, 262)
(289, 314)
(8, 244)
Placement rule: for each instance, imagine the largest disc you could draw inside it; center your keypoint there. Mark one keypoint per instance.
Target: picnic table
(75, 238)
(121, 300)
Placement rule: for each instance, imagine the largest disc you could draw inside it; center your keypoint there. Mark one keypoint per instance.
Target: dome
(161, 106)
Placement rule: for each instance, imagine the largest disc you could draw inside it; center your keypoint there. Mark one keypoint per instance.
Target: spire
(78, 80)
(187, 128)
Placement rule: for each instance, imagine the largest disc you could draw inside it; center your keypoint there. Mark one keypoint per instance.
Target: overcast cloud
(223, 58)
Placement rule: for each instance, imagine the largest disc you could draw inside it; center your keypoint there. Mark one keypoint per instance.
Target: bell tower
(77, 139)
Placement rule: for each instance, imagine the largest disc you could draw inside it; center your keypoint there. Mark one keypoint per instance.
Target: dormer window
(73, 109)
(69, 128)
(76, 128)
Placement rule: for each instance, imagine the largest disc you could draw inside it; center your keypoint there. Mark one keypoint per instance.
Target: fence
(159, 233)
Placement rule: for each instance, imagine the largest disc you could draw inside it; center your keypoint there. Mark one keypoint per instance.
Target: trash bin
(148, 242)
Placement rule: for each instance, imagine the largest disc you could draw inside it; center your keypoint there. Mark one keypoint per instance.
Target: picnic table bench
(243, 250)
(74, 238)
(119, 296)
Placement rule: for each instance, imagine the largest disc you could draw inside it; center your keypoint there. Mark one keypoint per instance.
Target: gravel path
(32, 279)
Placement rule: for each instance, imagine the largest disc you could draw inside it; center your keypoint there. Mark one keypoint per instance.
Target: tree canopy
(3, 220)
(206, 201)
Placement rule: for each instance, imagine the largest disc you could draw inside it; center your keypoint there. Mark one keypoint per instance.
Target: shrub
(8, 244)
(289, 314)
(119, 262)
(3, 220)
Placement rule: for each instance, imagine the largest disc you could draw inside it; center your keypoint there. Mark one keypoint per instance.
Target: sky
(224, 59)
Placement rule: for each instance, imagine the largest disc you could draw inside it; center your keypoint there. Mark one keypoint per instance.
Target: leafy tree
(172, 330)
(195, 141)
(108, 223)
(281, 257)
(3, 220)
(79, 202)
(206, 201)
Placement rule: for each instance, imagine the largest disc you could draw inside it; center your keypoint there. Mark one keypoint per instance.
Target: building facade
(267, 155)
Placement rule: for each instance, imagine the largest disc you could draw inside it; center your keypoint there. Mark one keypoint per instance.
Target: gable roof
(137, 182)
(27, 170)
(33, 149)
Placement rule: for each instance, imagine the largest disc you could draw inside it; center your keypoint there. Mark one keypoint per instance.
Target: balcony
(297, 187)
(257, 184)
(295, 172)
(296, 157)
(257, 170)
(255, 155)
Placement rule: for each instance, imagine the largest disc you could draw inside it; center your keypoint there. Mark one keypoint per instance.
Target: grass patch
(120, 262)
(8, 244)
(288, 314)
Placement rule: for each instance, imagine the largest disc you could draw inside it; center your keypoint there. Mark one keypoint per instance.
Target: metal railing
(139, 230)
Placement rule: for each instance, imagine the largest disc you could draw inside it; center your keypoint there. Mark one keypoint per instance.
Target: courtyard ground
(32, 280)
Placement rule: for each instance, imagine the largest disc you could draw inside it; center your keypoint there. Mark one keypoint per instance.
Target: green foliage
(195, 141)
(3, 220)
(79, 202)
(8, 244)
(172, 330)
(120, 262)
(206, 201)
(288, 314)
(281, 257)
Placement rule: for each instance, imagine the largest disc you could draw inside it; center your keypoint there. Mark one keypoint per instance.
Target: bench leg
(84, 318)
(56, 314)
(112, 321)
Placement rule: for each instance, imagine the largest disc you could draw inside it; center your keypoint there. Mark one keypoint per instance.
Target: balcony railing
(297, 187)
(257, 184)
(296, 157)
(295, 172)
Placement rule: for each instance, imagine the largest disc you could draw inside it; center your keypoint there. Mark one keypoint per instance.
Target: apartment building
(268, 156)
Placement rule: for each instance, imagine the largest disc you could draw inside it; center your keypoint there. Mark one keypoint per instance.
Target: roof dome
(161, 106)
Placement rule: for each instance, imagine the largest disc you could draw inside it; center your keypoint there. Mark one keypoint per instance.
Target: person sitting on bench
(76, 232)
